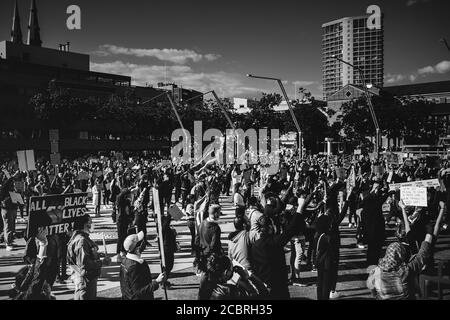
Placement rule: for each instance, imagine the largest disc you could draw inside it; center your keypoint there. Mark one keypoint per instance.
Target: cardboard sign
(392, 159)
(26, 160)
(378, 170)
(83, 175)
(166, 162)
(16, 198)
(175, 212)
(341, 173)
(53, 135)
(57, 213)
(332, 159)
(54, 147)
(6, 173)
(55, 158)
(157, 209)
(414, 196)
(357, 152)
(408, 163)
(430, 183)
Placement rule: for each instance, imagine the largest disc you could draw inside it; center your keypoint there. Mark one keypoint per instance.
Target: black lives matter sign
(57, 213)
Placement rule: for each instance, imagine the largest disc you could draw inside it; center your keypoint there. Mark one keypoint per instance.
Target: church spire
(34, 36)
(16, 32)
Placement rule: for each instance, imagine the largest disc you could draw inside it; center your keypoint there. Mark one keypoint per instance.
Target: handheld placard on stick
(104, 244)
(158, 223)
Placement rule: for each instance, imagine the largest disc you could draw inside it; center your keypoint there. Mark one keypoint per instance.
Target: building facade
(27, 69)
(349, 39)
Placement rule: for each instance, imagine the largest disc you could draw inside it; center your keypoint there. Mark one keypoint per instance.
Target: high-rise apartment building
(351, 40)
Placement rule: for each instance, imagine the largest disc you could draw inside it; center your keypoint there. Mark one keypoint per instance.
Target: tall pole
(291, 110)
(369, 102)
(280, 83)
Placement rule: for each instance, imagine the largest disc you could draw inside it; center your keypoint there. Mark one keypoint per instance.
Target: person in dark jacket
(373, 221)
(123, 220)
(239, 245)
(135, 276)
(31, 282)
(268, 256)
(170, 245)
(208, 243)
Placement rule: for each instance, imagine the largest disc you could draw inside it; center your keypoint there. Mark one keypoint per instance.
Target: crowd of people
(301, 206)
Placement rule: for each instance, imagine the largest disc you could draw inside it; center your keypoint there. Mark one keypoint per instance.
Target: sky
(210, 44)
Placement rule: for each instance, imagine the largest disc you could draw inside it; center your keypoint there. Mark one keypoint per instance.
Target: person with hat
(135, 277)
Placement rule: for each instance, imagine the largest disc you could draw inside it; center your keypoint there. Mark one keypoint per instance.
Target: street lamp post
(369, 102)
(291, 110)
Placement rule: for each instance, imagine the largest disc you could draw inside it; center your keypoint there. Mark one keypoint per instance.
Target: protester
(394, 276)
(84, 259)
(135, 277)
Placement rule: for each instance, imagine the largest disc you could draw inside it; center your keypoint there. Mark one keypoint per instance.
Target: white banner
(414, 196)
(430, 183)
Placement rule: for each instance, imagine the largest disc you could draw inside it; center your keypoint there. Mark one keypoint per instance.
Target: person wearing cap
(135, 277)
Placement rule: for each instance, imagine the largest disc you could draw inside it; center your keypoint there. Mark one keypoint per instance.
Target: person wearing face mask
(135, 277)
(84, 259)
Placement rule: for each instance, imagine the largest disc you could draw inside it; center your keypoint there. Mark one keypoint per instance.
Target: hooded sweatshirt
(239, 248)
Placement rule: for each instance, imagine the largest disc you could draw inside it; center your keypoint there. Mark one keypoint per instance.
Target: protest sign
(83, 175)
(341, 173)
(157, 209)
(414, 196)
(392, 159)
(57, 213)
(16, 198)
(54, 147)
(332, 159)
(408, 163)
(55, 158)
(351, 180)
(53, 135)
(166, 162)
(429, 183)
(378, 170)
(6, 173)
(26, 160)
(357, 152)
(175, 212)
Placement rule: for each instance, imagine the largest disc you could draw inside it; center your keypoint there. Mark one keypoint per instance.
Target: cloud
(440, 68)
(413, 2)
(179, 56)
(228, 84)
(299, 83)
(394, 78)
